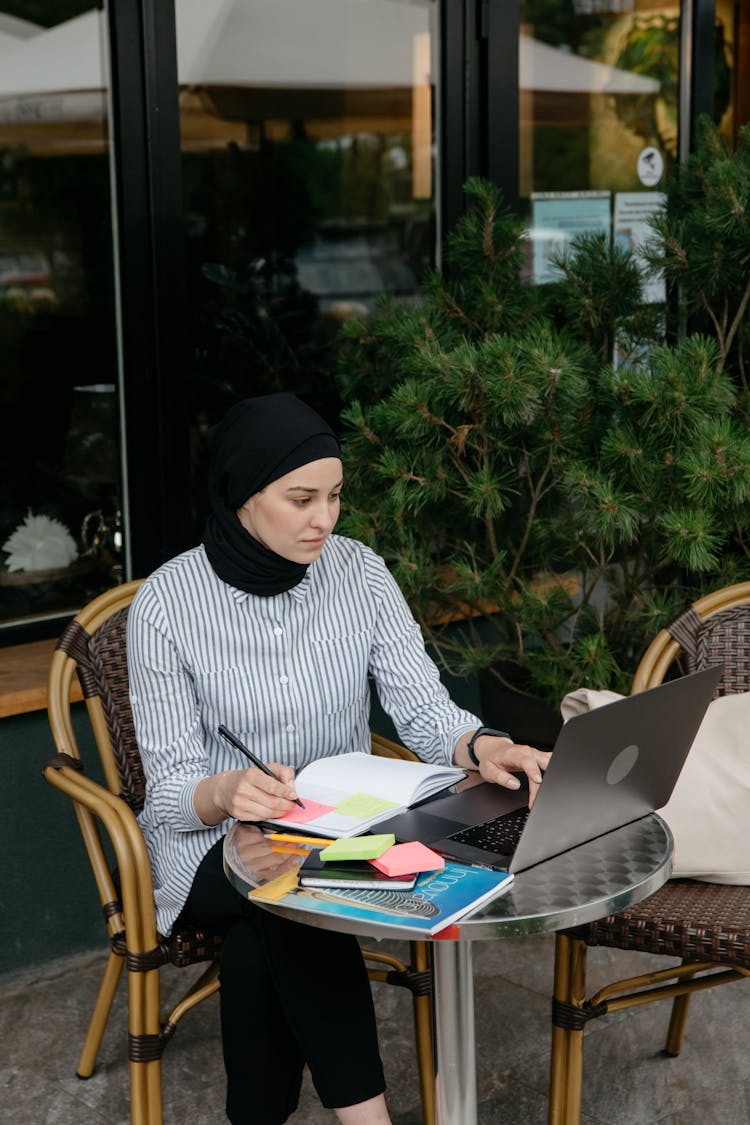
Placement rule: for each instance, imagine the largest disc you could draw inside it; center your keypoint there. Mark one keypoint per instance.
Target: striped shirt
(288, 674)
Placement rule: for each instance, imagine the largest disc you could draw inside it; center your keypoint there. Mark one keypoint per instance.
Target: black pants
(290, 994)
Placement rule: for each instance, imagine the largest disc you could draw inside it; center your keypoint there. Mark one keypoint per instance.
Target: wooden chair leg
(422, 962)
(677, 1022)
(145, 1047)
(100, 1015)
(566, 1067)
(205, 986)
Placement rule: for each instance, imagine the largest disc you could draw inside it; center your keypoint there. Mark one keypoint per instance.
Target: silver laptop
(610, 766)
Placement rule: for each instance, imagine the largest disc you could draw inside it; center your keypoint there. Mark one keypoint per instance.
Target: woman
(272, 626)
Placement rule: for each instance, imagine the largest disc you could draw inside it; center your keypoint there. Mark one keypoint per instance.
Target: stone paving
(627, 1081)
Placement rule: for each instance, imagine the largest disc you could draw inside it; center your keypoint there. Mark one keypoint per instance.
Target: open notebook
(349, 793)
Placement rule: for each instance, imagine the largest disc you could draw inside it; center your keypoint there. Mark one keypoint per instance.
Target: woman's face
(295, 514)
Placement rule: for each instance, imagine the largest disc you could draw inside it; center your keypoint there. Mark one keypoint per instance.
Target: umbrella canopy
(342, 66)
(59, 60)
(551, 69)
(17, 28)
(352, 44)
(355, 43)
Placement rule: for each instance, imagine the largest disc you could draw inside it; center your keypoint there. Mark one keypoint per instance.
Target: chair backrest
(94, 645)
(713, 630)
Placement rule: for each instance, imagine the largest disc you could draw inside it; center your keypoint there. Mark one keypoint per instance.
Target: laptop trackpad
(479, 804)
(443, 816)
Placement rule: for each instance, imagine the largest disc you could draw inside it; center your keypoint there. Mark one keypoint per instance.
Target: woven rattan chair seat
(187, 946)
(687, 919)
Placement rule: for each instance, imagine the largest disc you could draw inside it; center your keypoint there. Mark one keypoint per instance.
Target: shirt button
(283, 679)
(278, 631)
(290, 728)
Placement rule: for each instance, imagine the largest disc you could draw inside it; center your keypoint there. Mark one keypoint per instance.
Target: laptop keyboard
(500, 835)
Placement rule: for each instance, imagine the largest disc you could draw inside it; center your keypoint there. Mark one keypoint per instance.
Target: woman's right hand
(245, 794)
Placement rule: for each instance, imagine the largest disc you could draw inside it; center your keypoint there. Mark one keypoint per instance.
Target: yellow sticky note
(277, 887)
(364, 804)
(358, 847)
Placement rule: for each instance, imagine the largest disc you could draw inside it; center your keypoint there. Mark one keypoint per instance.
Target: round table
(588, 882)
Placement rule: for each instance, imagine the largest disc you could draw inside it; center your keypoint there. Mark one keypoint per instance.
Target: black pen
(225, 733)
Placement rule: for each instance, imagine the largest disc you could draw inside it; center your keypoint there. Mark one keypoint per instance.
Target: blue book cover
(438, 898)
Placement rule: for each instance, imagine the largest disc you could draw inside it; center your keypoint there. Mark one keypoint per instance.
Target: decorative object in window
(39, 543)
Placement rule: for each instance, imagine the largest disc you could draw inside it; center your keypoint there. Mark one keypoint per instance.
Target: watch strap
(477, 734)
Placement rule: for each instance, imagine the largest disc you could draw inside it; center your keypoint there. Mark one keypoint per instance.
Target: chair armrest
(95, 801)
(385, 748)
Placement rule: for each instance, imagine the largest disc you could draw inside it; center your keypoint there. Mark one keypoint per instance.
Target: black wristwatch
(477, 734)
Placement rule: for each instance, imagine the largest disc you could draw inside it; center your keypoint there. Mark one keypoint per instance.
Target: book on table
(353, 873)
(438, 899)
(347, 794)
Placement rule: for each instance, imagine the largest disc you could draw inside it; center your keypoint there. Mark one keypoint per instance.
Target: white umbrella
(15, 28)
(552, 69)
(59, 60)
(55, 77)
(333, 43)
(325, 44)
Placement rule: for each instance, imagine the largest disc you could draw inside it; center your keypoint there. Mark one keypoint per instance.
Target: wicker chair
(706, 925)
(93, 645)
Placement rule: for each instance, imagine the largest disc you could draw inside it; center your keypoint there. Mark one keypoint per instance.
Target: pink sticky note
(311, 811)
(404, 859)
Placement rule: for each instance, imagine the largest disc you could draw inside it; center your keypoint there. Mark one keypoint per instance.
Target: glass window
(60, 540)
(598, 117)
(308, 137)
(598, 84)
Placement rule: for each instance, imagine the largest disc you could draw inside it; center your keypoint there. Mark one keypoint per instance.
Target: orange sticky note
(404, 859)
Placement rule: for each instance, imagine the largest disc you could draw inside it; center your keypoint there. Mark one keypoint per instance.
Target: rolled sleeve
(407, 680)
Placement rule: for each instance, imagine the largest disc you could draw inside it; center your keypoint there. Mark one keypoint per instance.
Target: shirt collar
(298, 592)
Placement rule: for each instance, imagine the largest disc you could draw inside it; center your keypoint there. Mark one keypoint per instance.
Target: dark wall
(48, 900)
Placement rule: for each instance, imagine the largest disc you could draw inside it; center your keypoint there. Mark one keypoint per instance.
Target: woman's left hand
(500, 758)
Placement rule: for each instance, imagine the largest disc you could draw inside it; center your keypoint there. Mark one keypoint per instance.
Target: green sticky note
(359, 847)
(364, 804)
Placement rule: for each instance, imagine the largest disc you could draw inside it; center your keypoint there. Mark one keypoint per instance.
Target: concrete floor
(626, 1080)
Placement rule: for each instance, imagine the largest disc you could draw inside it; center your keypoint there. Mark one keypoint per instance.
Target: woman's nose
(322, 517)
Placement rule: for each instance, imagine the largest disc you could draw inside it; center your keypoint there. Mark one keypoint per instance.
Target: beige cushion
(709, 810)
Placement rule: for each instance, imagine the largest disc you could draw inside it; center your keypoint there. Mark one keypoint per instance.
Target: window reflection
(599, 84)
(599, 120)
(308, 142)
(60, 537)
(599, 115)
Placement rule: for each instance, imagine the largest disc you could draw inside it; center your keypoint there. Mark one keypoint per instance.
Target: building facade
(194, 196)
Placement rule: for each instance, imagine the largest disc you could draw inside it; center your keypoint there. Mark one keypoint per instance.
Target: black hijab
(256, 442)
